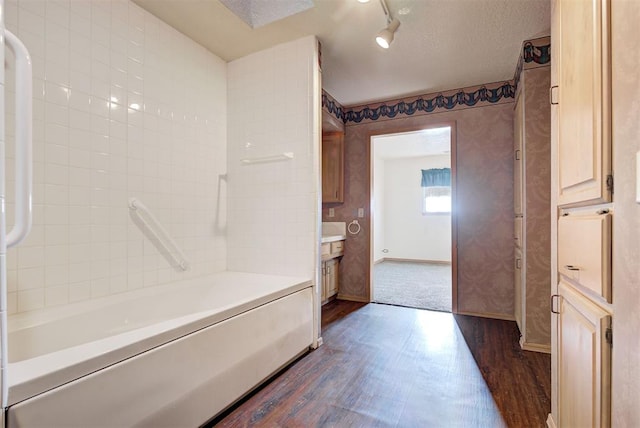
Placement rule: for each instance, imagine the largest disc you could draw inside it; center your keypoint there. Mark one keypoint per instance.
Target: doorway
(413, 227)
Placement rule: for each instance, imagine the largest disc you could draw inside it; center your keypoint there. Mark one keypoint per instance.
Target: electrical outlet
(332, 212)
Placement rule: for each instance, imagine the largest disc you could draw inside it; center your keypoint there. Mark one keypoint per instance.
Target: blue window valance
(440, 177)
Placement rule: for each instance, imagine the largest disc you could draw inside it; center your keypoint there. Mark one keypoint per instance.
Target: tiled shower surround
(274, 108)
(125, 106)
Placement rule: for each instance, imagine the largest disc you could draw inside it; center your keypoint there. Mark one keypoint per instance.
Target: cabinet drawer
(518, 231)
(584, 251)
(337, 246)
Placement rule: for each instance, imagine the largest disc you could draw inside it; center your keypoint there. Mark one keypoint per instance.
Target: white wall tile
(127, 106)
(262, 196)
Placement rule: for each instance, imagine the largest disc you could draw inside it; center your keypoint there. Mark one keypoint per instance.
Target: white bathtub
(173, 355)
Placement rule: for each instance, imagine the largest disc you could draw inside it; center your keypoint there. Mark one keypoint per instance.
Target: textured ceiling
(441, 44)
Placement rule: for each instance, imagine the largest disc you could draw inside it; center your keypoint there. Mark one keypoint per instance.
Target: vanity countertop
(332, 238)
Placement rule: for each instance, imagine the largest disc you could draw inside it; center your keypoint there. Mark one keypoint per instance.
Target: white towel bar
(273, 158)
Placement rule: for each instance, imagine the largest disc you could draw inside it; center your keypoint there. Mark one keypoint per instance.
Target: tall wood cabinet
(532, 175)
(583, 210)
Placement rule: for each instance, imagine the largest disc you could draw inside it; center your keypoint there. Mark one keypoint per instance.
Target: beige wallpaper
(484, 206)
(536, 84)
(626, 227)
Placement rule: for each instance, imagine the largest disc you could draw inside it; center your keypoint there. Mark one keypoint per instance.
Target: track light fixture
(385, 36)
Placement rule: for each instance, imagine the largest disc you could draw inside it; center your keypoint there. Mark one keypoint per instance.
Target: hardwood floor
(387, 366)
(520, 381)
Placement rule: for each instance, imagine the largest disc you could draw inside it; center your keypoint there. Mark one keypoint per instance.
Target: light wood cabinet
(517, 269)
(517, 155)
(333, 167)
(331, 277)
(584, 252)
(581, 142)
(331, 253)
(532, 195)
(583, 361)
(584, 103)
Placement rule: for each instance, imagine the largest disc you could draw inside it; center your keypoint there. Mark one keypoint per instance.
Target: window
(436, 199)
(436, 190)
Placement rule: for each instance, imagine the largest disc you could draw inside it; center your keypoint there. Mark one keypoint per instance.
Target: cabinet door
(584, 107)
(333, 167)
(584, 364)
(323, 286)
(518, 128)
(333, 267)
(518, 290)
(517, 232)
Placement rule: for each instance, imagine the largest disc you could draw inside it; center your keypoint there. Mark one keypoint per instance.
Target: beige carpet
(417, 285)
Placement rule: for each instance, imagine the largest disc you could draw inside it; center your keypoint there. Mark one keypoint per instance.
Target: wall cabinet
(584, 103)
(532, 184)
(332, 167)
(583, 212)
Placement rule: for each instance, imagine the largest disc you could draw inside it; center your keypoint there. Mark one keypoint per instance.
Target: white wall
(124, 106)
(408, 234)
(274, 100)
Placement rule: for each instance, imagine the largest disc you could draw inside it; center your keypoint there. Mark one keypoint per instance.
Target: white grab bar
(24, 152)
(23, 177)
(160, 233)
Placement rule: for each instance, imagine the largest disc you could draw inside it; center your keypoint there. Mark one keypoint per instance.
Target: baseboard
(431, 262)
(535, 347)
(550, 422)
(352, 298)
(487, 315)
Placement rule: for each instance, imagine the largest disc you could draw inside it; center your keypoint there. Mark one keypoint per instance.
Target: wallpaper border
(534, 53)
(474, 96)
(332, 106)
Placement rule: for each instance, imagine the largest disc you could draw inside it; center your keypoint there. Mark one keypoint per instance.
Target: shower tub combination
(174, 355)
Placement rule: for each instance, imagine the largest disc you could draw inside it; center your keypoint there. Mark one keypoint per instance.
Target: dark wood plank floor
(387, 366)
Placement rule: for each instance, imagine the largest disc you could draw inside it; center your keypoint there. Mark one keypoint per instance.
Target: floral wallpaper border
(535, 53)
(485, 94)
(332, 106)
(492, 93)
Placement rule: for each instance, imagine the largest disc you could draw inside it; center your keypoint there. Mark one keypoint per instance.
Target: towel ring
(354, 227)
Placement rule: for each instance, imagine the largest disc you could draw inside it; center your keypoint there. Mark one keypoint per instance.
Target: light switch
(332, 212)
(360, 212)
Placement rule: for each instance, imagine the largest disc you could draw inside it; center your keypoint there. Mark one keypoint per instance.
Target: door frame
(454, 205)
